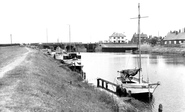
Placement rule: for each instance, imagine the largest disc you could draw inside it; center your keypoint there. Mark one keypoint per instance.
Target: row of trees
(148, 40)
(156, 40)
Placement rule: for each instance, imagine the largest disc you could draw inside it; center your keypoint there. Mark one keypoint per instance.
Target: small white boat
(59, 53)
(73, 61)
(135, 87)
(129, 84)
(71, 57)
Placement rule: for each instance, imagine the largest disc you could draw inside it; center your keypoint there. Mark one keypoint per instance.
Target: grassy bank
(8, 54)
(162, 50)
(40, 85)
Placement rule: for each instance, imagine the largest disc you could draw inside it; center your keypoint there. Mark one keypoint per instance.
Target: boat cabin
(72, 56)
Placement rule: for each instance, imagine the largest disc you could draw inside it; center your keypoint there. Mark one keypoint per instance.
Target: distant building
(117, 38)
(174, 38)
(143, 37)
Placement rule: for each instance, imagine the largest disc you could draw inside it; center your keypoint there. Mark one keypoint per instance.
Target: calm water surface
(168, 69)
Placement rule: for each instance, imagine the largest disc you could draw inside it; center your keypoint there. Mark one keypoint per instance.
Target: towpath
(13, 64)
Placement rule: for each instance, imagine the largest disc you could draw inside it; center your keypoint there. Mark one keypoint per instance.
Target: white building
(117, 38)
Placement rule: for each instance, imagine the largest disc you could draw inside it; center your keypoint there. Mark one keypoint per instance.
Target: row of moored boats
(69, 59)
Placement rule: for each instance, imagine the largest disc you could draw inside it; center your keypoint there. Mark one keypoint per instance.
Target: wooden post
(129, 93)
(102, 84)
(106, 85)
(160, 109)
(98, 83)
(84, 75)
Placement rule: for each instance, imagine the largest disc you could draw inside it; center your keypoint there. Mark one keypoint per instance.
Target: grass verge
(8, 54)
(39, 84)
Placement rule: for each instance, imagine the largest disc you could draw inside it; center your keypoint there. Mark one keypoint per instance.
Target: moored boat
(71, 57)
(59, 53)
(73, 61)
(130, 85)
(131, 81)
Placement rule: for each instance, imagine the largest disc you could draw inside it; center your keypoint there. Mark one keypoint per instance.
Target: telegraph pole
(69, 38)
(139, 17)
(46, 35)
(11, 38)
(69, 33)
(58, 40)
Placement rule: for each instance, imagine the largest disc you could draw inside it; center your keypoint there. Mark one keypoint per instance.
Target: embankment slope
(39, 84)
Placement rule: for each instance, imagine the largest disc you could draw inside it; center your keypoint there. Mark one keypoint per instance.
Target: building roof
(117, 35)
(141, 35)
(173, 36)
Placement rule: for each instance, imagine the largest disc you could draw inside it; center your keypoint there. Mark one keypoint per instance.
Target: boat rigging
(128, 83)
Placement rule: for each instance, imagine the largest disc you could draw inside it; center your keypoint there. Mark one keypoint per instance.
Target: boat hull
(146, 97)
(141, 91)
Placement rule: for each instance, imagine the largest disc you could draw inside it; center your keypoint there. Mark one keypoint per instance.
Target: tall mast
(139, 42)
(139, 17)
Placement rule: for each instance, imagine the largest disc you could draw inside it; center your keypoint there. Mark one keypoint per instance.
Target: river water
(168, 69)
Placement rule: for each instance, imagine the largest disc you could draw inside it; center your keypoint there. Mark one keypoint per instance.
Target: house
(117, 38)
(174, 39)
(135, 38)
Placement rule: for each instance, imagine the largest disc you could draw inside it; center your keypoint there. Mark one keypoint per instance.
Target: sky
(89, 20)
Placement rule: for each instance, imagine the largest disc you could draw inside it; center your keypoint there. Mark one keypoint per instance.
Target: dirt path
(13, 64)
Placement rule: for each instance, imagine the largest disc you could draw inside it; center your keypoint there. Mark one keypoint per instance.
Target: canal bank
(89, 93)
(38, 83)
(145, 48)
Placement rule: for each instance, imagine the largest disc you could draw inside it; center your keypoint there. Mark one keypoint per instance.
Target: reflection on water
(168, 69)
(168, 59)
